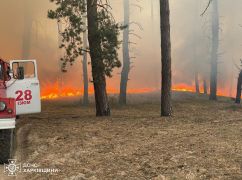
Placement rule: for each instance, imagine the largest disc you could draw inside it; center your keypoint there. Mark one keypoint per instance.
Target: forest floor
(203, 140)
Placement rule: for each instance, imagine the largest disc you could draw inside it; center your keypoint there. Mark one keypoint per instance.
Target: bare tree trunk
(231, 84)
(126, 56)
(205, 88)
(99, 79)
(28, 21)
(60, 78)
(196, 63)
(197, 83)
(214, 52)
(85, 74)
(166, 58)
(239, 89)
(84, 69)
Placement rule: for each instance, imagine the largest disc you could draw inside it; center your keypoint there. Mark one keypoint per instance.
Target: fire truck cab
(19, 94)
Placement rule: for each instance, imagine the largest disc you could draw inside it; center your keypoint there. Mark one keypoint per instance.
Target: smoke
(190, 42)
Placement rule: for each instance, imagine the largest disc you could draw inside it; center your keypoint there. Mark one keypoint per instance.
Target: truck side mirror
(20, 73)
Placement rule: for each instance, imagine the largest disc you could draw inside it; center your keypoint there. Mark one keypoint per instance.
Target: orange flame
(188, 88)
(183, 88)
(52, 91)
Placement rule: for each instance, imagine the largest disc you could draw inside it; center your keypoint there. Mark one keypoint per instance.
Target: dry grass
(203, 140)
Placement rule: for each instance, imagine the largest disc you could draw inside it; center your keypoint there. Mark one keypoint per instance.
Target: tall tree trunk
(60, 77)
(239, 88)
(98, 74)
(166, 58)
(196, 63)
(197, 83)
(28, 22)
(84, 69)
(214, 52)
(205, 88)
(126, 57)
(231, 84)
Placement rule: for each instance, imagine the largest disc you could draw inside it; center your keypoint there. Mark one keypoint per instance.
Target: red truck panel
(10, 111)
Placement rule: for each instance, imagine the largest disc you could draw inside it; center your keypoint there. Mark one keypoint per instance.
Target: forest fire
(184, 88)
(50, 92)
(54, 92)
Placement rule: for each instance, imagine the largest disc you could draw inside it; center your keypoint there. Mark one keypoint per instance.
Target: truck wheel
(6, 145)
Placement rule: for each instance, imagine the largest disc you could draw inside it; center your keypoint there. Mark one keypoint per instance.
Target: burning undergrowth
(56, 91)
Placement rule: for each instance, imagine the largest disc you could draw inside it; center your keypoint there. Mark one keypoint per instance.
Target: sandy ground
(203, 140)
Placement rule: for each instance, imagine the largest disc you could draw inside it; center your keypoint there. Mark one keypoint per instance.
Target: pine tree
(166, 109)
(214, 51)
(103, 42)
(239, 87)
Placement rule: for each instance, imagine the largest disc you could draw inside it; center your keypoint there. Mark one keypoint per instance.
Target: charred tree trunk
(239, 89)
(205, 88)
(197, 83)
(126, 57)
(165, 58)
(98, 74)
(84, 69)
(28, 22)
(214, 52)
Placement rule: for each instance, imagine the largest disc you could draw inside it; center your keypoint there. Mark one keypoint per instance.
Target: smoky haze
(191, 42)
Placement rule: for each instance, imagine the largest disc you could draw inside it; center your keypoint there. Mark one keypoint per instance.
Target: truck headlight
(2, 106)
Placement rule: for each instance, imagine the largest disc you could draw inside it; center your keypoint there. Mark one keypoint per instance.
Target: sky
(190, 34)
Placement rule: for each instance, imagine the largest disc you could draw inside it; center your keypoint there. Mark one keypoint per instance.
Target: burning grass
(201, 141)
(53, 91)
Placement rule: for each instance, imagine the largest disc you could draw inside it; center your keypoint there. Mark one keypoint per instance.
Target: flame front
(52, 91)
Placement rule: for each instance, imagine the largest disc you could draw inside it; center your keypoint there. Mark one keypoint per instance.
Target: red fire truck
(19, 94)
